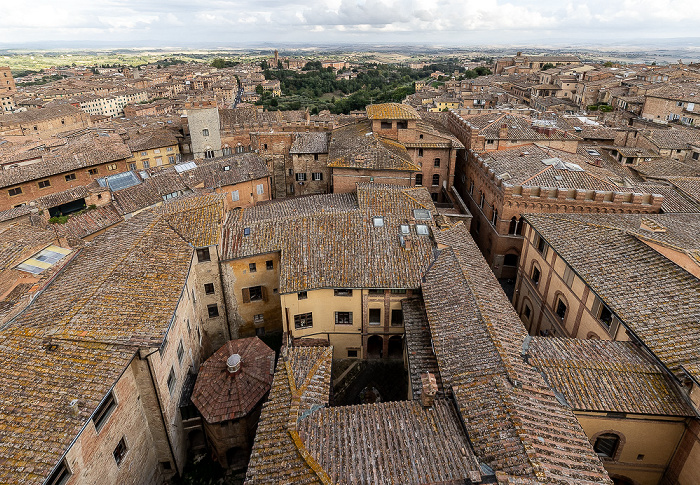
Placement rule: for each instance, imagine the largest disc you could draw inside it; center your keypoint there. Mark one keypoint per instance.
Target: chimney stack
(503, 131)
(428, 390)
(74, 408)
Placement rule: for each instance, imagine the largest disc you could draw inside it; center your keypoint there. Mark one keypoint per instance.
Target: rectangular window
(254, 293)
(436, 162)
(213, 310)
(169, 149)
(260, 188)
(436, 180)
(541, 245)
(132, 166)
(252, 267)
(208, 288)
(343, 318)
(303, 320)
(171, 159)
(120, 451)
(93, 171)
(397, 317)
(386, 125)
(420, 152)
(258, 319)
(180, 352)
(44, 184)
(60, 476)
(419, 179)
(269, 265)
(376, 291)
(260, 331)
(157, 150)
(375, 316)
(69, 177)
(159, 161)
(535, 276)
(203, 255)
(171, 381)
(103, 411)
(205, 132)
(317, 176)
(302, 295)
(301, 177)
(352, 352)
(235, 196)
(398, 292)
(342, 292)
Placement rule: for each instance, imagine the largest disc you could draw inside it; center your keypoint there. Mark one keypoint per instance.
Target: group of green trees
(319, 89)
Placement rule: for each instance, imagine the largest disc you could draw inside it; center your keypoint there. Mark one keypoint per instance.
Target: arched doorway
(396, 347)
(375, 347)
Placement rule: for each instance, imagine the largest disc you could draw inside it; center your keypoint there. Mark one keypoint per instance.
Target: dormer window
(378, 221)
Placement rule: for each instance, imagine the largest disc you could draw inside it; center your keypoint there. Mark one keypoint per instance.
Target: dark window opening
(386, 125)
(60, 476)
(420, 152)
(15, 191)
(203, 255)
(561, 309)
(269, 265)
(535, 276)
(302, 295)
(208, 288)
(343, 318)
(402, 125)
(375, 316)
(171, 381)
(180, 352)
(44, 183)
(120, 451)
(342, 292)
(527, 311)
(510, 260)
(103, 411)
(352, 353)
(436, 179)
(397, 317)
(254, 293)
(606, 445)
(376, 291)
(398, 292)
(436, 163)
(605, 315)
(419, 179)
(69, 177)
(213, 310)
(252, 267)
(303, 320)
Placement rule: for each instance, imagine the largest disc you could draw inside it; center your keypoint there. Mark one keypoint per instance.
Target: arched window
(481, 201)
(436, 179)
(606, 445)
(519, 228)
(510, 260)
(513, 226)
(494, 217)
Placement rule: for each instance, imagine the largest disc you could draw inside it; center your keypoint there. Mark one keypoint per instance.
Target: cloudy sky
(237, 22)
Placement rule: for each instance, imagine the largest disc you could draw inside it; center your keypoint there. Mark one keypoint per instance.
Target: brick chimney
(428, 390)
(503, 131)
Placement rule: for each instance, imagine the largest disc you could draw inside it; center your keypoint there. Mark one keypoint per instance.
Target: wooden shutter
(263, 290)
(246, 295)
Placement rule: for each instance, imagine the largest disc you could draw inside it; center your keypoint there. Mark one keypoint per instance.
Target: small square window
(252, 267)
(269, 265)
(205, 132)
(203, 255)
(69, 177)
(258, 319)
(302, 295)
(44, 183)
(352, 353)
(209, 288)
(213, 310)
(120, 451)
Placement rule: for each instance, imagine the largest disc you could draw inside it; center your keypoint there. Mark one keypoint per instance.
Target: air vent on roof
(505, 176)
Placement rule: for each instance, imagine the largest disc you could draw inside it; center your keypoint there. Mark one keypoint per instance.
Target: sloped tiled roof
(421, 358)
(655, 299)
(356, 146)
(392, 111)
(515, 423)
(330, 241)
(606, 376)
(310, 143)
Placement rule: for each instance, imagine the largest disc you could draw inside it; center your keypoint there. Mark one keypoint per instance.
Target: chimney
(428, 390)
(233, 363)
(74, 408)
(503, 131)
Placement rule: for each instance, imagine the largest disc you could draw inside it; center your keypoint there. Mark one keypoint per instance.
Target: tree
(264, 66)
(548, 65)
(608, 64)
(259, 89)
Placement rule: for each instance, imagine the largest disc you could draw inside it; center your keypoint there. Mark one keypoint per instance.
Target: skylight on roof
(44, 259)
(421, 214)
(422, 229)
(405, 229)
(184, 167)
(378, 221)
(122, 181)
(593, 153)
